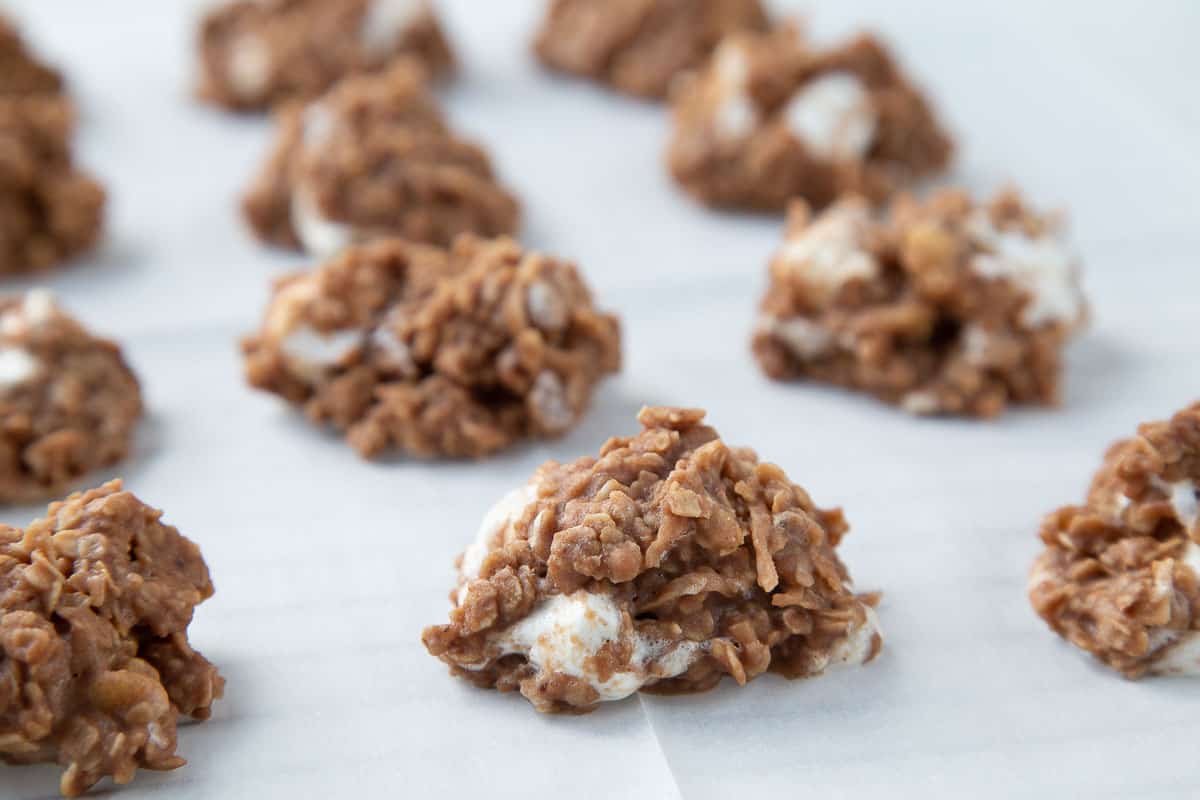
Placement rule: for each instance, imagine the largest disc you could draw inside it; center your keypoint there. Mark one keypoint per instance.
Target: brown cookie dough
(669, 561)
(941, 307)
(1120, 575)
(95, 665)
(21, 74)
(374, 158)
(50, 211)
(68, 402)
(640, 47)
(438, 353)
(772, 119)
(255, 54)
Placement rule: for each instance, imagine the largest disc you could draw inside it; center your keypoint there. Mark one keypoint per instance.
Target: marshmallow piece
(1042, 266)
(736, 114)
(386, 21)
(549, 400)
(546, 307)
(833, 117)
(17, 365)
(249, 66)
(565, 632)
(312, 353)
(491, 530)
(802, 336)
(829, 253)
(319, 235)
(1185, 504)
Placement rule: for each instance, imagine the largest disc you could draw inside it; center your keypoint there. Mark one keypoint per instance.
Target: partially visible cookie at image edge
(69, 403)
(1120, 575)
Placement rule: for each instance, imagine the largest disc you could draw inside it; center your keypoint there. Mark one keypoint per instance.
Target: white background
(327, 567)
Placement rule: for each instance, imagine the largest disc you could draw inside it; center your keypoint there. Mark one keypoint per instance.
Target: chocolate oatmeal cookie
(68, 402)
(438, 353)
(940, 307)
(374, 158)
(772, 119)
(22, 74)
(255, 54)
(95, 664)
(640, 47)
(1120, 575)
(50, 211)
(666, 563)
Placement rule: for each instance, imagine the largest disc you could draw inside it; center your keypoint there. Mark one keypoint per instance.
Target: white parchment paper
(327, 568)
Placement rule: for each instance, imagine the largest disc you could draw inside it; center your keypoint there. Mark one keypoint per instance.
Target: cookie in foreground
(773, 118)
(95, 664)
(255, 54)
(640, 47)
(451, 353)
(374, 158)
(942, 306)
(69, 404)
(1120, 575)
(664, 564)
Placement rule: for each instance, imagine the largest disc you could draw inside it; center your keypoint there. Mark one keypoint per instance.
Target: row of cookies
(671, 559)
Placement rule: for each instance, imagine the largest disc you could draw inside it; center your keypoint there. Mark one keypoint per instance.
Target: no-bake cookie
(95, 664)
(21, 73)
(374, 158)
(772, 119)
(1120, 575)
(50, 211)
(438, 353)
(641, 47)
(940, 307)
(68, 402)
(255, 54)
(664, 564)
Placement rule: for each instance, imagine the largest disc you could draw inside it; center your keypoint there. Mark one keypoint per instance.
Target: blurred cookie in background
(452, 353)
(773, 118)
(640, 47)
(942, 307)
(255, 54)
(374, 158)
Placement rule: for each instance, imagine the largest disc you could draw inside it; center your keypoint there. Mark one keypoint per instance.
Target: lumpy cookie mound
(95, 665)
(666, 563)
(50, 210)
(255, 54)
(772, 119)
(69, 403)
(640, 47)
(1120, 575)
(454, 353)
(21, 73)
(374, 158)
(940, 307)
